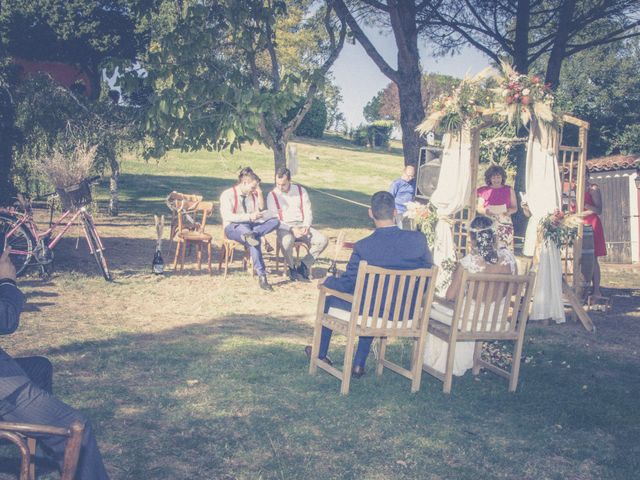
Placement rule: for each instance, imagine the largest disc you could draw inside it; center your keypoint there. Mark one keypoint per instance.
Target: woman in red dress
(593, 208)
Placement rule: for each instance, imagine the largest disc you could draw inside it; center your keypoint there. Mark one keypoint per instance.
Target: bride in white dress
(485, 257)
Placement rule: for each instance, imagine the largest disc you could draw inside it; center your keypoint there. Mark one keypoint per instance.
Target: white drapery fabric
(454, 190)
(543, 196)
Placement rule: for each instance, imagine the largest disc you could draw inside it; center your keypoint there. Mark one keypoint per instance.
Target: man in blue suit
(386, 247)
(25, 387)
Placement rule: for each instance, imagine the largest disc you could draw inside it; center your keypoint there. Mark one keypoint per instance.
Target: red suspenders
(235, 200)
(275, 199)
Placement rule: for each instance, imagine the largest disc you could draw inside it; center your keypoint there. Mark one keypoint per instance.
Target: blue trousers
(364, 343)
(235, 231)
(34, 403)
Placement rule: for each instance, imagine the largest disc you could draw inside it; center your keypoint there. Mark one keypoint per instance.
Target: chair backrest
(188, 217)
(392, 301)
(495, 305)
(21, 433)
(175, 200)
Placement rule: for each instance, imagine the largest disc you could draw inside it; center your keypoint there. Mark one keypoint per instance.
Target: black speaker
(428, 171)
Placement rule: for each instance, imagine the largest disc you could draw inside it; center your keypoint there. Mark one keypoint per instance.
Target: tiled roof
(613, 162)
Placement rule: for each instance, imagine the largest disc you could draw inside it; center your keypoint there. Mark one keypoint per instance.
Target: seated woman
(485, 257)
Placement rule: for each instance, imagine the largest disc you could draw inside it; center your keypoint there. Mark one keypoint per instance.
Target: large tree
(239, 70)
(401, 16)
(385, 105)
(602, 86)
(530, 31)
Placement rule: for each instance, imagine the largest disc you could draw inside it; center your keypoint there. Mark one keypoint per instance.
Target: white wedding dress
(436, 350)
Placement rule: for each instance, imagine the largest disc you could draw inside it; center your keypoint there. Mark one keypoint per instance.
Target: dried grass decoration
(65, 169)
(521, 96)
(463, 107)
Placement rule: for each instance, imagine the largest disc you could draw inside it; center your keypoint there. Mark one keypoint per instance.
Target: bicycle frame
(26, 219)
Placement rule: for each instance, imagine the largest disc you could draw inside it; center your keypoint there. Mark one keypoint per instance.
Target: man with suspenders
(290, 202)
(244, 221)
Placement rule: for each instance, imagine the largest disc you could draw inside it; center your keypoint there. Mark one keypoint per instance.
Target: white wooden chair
(409, 292)
(508, 298)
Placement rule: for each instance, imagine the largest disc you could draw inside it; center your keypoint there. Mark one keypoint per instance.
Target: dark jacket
(387, 247)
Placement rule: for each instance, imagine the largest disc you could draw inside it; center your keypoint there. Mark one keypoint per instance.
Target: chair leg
(31, 443)
(209, 250)
(448, 373)
(227, 259)
(315, 346)
(348, 363)
(477, 352)
(184, 251)
(175, 260)
(416, 366)
(199, 255)
(515, 366)
(278, 257)
(383, 349)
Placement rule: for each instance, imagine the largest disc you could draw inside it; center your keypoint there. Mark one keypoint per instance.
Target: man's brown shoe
(357, 371)
(307, 351)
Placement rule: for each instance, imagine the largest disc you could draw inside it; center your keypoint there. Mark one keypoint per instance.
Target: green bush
(315, 121)
(377, 134)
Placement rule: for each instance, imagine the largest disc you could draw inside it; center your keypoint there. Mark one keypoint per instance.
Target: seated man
(244, 221)
(25, 388)
(292, 206)
(403, 189)
(386, 247)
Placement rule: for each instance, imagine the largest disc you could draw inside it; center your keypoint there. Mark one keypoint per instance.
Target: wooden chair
(177, 203)
(509, 298)
(22, 435)
(408, 318)
(227, 249)
(297, 244)
(185, 236)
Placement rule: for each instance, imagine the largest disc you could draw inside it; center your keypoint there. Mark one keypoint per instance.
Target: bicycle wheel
(19, 241)
(95, 246)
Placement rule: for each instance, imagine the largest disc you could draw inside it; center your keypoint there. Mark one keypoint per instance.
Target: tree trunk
(114, 202)
(7, 116)
(279, 154)
(409, 78)
(521, 41)
(559, 49)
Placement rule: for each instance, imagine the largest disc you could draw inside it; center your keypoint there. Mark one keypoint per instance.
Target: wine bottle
(157, 266)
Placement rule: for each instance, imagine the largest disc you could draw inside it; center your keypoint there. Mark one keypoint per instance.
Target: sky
(360, 79)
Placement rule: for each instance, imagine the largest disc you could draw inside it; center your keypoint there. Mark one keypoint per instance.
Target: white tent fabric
(454, 190)
(543, 196)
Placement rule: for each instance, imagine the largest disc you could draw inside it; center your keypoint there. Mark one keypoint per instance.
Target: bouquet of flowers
(450, 112)
(560, 228)
(520, 96)
(425, 218)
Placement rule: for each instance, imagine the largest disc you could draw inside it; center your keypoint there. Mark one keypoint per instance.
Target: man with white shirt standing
(244, 221)
(290, 203)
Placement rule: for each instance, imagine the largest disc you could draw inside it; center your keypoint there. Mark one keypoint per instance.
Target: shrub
(315, 121)
(377, 134)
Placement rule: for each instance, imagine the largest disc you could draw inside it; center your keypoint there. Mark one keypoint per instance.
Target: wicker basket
(75, 196)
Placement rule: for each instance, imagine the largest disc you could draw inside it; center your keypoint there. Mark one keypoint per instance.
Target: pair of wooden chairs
(23, 435)
(410, 293)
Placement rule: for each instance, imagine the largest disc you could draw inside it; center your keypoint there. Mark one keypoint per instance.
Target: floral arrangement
(520, 96)
(425, 217)
(447, 267)
(463, 106)
(560, 228)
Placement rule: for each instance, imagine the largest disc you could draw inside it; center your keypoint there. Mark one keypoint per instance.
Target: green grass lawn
(193, 376)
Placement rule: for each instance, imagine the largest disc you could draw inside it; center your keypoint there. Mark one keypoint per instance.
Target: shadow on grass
(232, 398)
(144, 195)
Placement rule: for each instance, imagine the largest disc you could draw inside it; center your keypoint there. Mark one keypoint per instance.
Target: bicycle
(30, 247)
